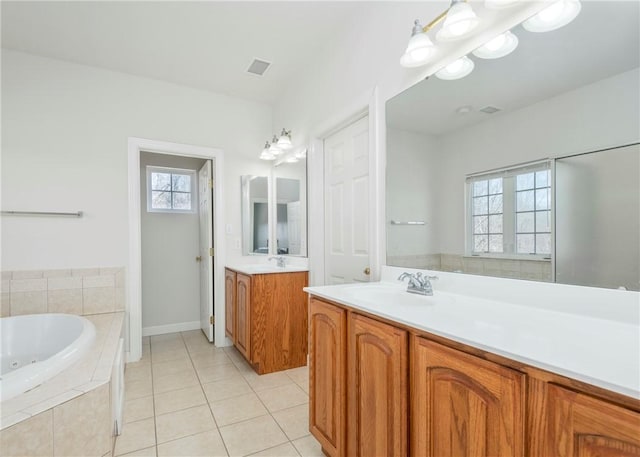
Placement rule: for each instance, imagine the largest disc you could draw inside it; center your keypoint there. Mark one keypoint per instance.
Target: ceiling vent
(258, 67)
(490, 109)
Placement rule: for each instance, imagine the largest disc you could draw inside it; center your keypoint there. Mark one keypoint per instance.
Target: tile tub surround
(92, 372)
(188, 398)
(74, 291)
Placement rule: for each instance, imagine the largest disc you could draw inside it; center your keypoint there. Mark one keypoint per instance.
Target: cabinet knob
(199, 258)
(367, 271)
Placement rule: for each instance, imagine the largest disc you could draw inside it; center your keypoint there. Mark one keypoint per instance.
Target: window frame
(509, 196)
(150, 169)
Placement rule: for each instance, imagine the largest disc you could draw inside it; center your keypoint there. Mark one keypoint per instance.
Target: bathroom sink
(394, 295)
(262, 268)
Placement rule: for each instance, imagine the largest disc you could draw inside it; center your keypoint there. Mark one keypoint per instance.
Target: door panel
(347, 204)
(377, 388)
(463, 405)
(327, 377)
(230, 304)
(243, 315)
(582, 426)
(205, 211)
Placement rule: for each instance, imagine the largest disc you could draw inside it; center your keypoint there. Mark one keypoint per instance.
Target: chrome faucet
(281, 261)
(418, 283)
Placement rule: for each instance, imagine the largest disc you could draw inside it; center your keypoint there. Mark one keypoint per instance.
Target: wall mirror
(290, 178)
(529, 167)
(274, 209)
(255, 214)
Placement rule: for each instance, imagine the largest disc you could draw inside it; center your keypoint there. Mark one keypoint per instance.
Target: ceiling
(604, 40)
(204, 45)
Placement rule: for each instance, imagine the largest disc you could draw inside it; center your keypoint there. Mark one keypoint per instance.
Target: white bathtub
(36, 347)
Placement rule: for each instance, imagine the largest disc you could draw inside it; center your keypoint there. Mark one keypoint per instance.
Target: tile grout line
(153, 401)
(207, 399)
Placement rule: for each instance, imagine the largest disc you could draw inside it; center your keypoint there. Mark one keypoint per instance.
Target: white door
(293, 227)
(205, 195)
(346, 180)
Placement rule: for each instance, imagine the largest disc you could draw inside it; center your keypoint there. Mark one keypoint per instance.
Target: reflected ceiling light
(301, 154)
(554, 16)
(419, 49)
(497, 47)
(284, 142)
(459, 22)
(265, 154)
(291, 159)
(499, 4)
(456, 69)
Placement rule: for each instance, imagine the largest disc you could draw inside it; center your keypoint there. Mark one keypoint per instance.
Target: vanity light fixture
(275, 147)
(419, 49)
(459, 21)
(554, 16)
(284, 142)
(266, 154)
(500, 46)
(456, 69)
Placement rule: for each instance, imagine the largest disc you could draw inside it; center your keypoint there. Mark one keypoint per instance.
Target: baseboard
(170, 328)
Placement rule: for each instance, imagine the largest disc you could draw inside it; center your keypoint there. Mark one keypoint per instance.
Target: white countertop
(588, 347)
(90, 372)
(265, 268)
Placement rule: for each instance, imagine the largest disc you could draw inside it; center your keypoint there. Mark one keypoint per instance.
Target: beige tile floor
(189, 398)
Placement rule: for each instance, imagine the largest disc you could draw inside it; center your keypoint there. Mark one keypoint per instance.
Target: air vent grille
(490, 109)
(258, 67)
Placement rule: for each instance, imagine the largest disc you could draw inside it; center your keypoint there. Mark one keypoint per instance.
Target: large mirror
(290, 179)
(530, 166)
(255, 214)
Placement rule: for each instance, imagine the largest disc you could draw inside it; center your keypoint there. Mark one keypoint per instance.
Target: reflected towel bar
(41, 213)
(407, 222)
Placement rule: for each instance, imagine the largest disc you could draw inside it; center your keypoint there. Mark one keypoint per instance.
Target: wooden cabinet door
(377, 388)
(243, 315)
(463, 405)
(582, 426)
(327, 378)
(230, 304)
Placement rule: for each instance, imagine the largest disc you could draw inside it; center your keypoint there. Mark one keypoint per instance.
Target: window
(171, 190)
(509, 212)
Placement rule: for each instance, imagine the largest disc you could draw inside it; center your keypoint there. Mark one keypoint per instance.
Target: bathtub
(36, 347)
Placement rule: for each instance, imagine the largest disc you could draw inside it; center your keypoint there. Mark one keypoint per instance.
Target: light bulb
(265, 154)
(497, 47)
(456, 69)
(459, 22)
(274, 149)
(554, 16)
(284, 142)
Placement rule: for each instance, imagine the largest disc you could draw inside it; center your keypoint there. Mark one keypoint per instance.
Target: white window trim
(508, 210)
(181, 171)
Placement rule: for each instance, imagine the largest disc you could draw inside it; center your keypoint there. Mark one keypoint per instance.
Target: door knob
(367, 271)
(199, 258)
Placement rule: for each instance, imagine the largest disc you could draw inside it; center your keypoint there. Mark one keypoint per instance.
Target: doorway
(176, 234)
(215, 275)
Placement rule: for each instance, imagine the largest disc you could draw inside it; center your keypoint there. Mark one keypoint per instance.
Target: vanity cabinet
(461, 401)
(267, 318)
(582, 426)
(463, 405)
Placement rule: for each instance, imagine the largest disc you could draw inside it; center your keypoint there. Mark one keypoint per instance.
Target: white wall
(599, 115)
(170, 244)
(64, 148)
(412, 183)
